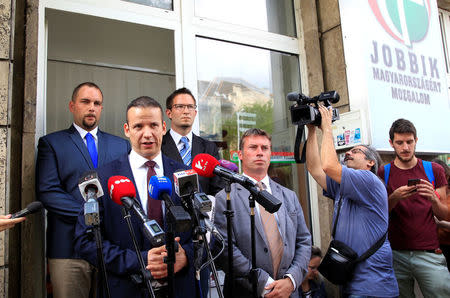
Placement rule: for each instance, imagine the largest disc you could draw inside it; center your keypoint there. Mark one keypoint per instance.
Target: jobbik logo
(407, 21)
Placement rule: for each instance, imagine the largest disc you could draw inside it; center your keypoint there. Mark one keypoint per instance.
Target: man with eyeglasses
(363, 217)
(182, 145)
(417, 193)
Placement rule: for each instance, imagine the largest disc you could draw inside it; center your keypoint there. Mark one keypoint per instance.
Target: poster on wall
(396, 69)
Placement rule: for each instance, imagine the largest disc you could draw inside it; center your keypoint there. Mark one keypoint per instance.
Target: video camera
(306, 111)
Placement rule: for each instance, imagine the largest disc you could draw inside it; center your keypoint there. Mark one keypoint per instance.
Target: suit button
(265, 249)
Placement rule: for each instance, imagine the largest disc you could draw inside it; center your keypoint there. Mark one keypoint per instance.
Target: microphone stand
(145, 273)
(229, 213)
(171, 250)
(103, 278)
(200, 234)
(253, 271)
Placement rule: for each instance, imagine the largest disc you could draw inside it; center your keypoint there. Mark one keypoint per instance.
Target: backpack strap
(428, 167)
(387, 169)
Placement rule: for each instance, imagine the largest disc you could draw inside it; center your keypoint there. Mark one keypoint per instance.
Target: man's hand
(327, 116)
(280, 288)
(156, 264)
(6, 222)
(403, 192)
(426, 189)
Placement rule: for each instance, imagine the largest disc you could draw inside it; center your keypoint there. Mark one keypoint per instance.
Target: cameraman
(363, 218)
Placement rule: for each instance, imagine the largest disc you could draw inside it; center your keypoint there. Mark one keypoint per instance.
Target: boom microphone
(160, 188)
(123, 192)
(31, 208)
(206, 165)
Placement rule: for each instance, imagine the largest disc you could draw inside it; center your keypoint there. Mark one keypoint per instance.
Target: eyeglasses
(357, 150)
(180, 107)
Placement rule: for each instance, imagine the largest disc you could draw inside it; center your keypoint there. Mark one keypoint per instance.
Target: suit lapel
(78, 141)
(170, 147)
(281, 213)
(197, 146)
(102, 145)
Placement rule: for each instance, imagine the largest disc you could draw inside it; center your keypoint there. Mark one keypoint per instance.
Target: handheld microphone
(186, 182)
(123, 192)
(31, 208)
(160, 188)
(90, 188)
(206, 165)
(229, 165)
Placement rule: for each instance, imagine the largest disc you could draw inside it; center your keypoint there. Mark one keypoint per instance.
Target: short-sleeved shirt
(411, 224)
(363, 220)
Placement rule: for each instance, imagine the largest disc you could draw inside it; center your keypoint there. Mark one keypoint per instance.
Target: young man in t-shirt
(412, 230)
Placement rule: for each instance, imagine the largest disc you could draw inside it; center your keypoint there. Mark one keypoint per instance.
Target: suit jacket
(118, 249)
(210, 186)
(62, 159)
(295, 235)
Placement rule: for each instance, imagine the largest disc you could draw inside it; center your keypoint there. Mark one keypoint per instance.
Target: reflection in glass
(276, 16)
(240, 87)
(164, 4)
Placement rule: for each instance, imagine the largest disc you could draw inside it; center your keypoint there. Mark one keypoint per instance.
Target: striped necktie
(272, 234)
(185, 152)
(90, 143)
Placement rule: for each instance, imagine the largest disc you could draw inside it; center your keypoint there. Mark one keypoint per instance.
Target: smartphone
(412, 182)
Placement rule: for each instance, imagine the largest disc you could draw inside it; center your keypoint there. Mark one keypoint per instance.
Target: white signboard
(396, 68)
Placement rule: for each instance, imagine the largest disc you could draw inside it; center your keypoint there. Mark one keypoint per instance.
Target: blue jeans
(429, 269)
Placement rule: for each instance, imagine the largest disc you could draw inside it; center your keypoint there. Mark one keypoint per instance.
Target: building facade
(240, 59)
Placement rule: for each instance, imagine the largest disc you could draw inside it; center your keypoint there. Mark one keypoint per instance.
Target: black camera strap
(298, 141)
(368, 252)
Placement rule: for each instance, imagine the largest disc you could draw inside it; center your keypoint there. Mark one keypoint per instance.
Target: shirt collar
(138, 161)
(84, 132)
(177, 137)
(265, 180)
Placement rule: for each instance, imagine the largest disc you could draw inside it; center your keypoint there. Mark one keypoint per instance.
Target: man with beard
(412, 230)
(363, 216)
(63, 157)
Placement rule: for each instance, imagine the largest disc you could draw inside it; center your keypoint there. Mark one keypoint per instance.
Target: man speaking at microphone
(145, 128)
(283, 242)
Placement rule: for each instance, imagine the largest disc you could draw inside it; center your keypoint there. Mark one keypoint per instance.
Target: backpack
(426, 165)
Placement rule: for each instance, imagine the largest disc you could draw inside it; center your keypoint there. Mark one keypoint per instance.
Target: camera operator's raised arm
(313, 162)
(330, 162)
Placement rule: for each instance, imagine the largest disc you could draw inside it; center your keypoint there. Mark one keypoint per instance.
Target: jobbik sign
(396, 68)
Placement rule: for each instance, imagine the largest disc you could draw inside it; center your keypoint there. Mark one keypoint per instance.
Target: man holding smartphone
(417, 191)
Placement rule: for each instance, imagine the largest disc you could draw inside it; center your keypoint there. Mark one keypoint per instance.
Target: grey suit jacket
(295, 235)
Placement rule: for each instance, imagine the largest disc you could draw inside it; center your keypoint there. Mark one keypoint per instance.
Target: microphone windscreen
(34, 206)
(204, 164)
(229, 165)
(119, 187)
(159, 185)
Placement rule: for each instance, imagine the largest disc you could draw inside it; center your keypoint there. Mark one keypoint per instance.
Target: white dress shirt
(139, 169)
(177, 137)
(84, 132)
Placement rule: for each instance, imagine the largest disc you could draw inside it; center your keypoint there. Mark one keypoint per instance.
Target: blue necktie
(90, 142)
(185, 152)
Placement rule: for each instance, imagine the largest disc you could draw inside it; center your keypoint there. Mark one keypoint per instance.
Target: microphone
(90, 188)
(206, 165)
(123, 192)
(160, 188)
(31, 208)
(229, 165)
(186, 182)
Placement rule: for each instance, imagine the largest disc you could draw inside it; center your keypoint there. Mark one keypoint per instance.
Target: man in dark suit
(145, 128)
(180, 143)
(283, 242)
(63, 157)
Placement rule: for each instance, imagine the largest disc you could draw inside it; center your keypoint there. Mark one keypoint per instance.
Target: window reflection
(164, 4)
(242, 87)
(276, 16)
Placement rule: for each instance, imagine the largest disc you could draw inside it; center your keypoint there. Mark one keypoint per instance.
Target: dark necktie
(90, 143)
(154, 208)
